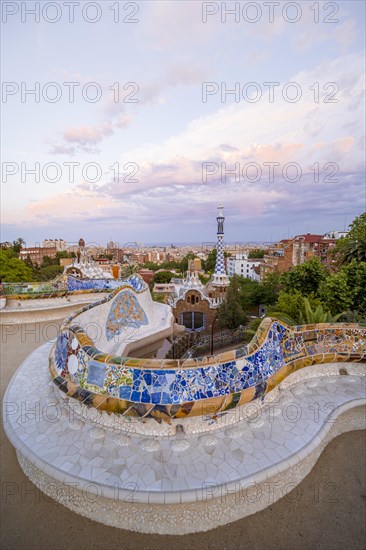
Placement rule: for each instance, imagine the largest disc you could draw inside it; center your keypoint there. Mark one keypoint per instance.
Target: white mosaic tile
(168, 465)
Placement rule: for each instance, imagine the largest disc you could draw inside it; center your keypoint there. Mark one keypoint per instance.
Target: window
(193, 320)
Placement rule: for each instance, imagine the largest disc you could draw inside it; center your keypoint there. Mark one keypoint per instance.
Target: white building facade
(59, 244)
(240, 264)
(335, 234)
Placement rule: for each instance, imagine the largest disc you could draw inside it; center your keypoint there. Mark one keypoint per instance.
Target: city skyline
(151, 244)
(187, 128)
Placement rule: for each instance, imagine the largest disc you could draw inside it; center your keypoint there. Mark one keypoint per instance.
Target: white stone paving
(172, 469)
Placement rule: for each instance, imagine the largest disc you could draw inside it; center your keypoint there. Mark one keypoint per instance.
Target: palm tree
(128, 270)
(353, 249)
(18, 244)
(350, 316)
(308, 316)
(318, 315)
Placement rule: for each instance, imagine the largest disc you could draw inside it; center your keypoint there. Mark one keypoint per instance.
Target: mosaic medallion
(125, 312)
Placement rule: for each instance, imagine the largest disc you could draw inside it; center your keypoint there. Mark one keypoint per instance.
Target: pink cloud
(88, 135)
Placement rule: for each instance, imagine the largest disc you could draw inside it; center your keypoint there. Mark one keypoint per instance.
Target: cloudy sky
(132, 134)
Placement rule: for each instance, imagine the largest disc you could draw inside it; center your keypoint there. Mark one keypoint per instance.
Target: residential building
(292, 252)
(240, 264)
(59, 244)
(309, 246)
(147, 275)
(36, 253)
(335, 234)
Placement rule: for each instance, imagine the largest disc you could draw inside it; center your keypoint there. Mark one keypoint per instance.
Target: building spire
(220, 277)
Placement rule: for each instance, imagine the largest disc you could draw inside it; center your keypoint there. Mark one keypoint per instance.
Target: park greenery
(309, 293)
(12, 269)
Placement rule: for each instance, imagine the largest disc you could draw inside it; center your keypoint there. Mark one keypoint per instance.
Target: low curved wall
(165, 389)
(56, 299)
(63, 285)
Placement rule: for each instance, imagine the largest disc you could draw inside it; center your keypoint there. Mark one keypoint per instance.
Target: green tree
(248, 292)
(204, 280)
(335, 293)
(209, 264)
(46, 261)
(163, 277)
(353, 246)
(185, 260)
(50, 272)
(150, 265)
(230, 313)
(12, 269)
(127, 270)
(167, 265)
(256, 253)
(269, 289)
(294, 309)
(353, 249)
(28, 262)
(18, 244)
(305, 278)
(63, 254)
(355, 273)
(357, 227)
(289, 307)
(346, 290)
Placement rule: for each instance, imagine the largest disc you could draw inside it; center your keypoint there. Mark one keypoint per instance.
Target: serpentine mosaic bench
(172, 389)
(177, 477)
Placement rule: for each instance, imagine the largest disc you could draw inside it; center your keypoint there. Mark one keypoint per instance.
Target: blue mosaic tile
(125, 392)
(96, 373)
(162, 387)
(61, 350)
(134, 281)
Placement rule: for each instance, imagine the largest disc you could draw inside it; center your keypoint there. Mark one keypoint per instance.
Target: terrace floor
(326, 510)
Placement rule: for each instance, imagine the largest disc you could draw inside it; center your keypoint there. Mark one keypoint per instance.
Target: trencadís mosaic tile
(164, 389)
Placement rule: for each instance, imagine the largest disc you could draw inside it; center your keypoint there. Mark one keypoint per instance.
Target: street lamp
(212, 331)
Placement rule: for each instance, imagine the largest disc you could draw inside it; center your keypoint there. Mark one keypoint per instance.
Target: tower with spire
(220, 277)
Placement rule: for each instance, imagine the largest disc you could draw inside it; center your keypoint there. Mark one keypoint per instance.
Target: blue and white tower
(220, 277)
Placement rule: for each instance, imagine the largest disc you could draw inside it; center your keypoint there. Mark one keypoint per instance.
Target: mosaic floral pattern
(125, 312)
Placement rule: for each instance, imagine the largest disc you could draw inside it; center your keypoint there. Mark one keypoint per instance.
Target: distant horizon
(165, 244)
